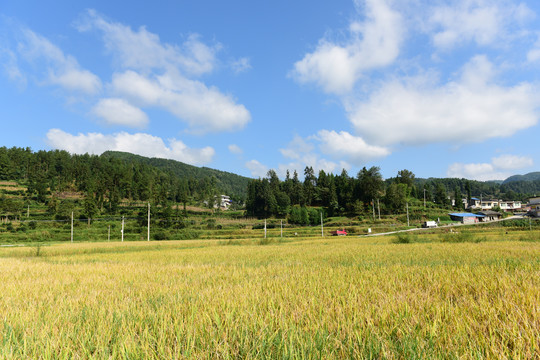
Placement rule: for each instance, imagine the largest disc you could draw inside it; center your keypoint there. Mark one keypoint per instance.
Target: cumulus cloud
(143, 50)
(499, 168)
(371, 44)
(139, 143)
(11, 66)
(256, 168)
(302, 153)
(512, 162)
(354, 148)
(472, 108)
(241, 65)
(157, 74)
(484, 22)
(204, 108)
(55, 67)
(120, 112)
(296, 148)
(235, 149)
(533, 55)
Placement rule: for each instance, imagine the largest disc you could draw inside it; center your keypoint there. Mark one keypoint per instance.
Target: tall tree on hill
(469, 197)
(182, 193)
(297, 195)
(260, 201)
(396, 196)
(310, 182)
(370, 185)
(441, 197)
(4, 164)
(287, 185)
(90, 207)
(458, 203)
(405, 177)
(273, 180)
(344, 191)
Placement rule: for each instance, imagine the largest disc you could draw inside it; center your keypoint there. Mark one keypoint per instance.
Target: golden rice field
(324, 298)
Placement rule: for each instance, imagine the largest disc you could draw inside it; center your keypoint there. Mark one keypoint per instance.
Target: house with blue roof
(466, 218)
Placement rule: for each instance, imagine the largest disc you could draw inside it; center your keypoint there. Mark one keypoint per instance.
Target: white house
(510, 205)
(489, 204)
(534, 204)
(225, 202)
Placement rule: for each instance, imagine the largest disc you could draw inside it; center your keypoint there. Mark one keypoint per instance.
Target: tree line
(103, 181)
(351, 195)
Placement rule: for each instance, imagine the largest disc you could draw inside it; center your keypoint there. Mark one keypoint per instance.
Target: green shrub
(160, 235)
(403, 238)
(187, 234)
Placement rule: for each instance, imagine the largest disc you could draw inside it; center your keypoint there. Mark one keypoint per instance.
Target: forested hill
(228, 183)
(113, 177)
(533, 176)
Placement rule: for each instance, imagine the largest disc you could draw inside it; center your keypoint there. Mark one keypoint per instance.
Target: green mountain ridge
(229, 183)
(532, 176)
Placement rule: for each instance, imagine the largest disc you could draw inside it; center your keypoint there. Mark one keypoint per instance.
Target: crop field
(353, 297)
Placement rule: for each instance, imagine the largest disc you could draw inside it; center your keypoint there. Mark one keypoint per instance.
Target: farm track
(441, 227)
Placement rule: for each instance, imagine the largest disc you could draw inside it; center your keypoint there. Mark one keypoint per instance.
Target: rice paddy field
(321, 298)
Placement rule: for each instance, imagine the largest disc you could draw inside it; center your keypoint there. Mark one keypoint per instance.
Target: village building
(510, 205)
(490, 215)
(466, 218)
(489, 204)
(225, 202)
(534, 206)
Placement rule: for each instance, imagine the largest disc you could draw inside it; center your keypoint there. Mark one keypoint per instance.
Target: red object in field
(339, 232)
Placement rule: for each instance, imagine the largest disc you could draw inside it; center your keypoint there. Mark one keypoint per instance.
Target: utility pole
(122, 231)
(281, 228)
(373, 205)
(379, 208)
(148, 222)
(109, 234)
(408, 224)
(265, 228)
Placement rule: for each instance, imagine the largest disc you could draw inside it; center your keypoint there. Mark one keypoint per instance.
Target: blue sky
(441, 88)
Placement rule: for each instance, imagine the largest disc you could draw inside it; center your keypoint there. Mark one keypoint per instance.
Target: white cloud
(204, 109)
(235, 149)
(120, 112)
(11, 66)
(139, 143)
(534, 53)
(241, 65)
(302, 153)
(480, 172)
(471, 109)
(512, 162)
(372, 44)
(297, 148)
(143, 50)
(498, 169)
(162, 75)
(256, 168)
(354, 148)
(484, 22)
(60, 69)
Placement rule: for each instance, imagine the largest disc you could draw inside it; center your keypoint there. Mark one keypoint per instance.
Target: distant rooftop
(466, 215)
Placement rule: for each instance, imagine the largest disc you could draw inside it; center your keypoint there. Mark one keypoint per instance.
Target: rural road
(444, 226)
